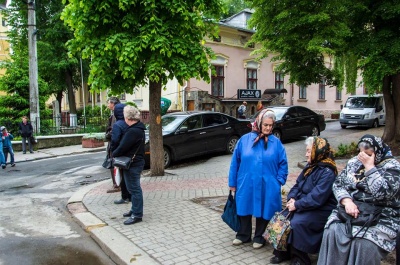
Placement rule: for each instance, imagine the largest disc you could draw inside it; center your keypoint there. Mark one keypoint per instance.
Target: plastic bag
(117, 176)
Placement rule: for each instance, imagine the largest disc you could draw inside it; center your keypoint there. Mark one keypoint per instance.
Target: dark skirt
(307, 230)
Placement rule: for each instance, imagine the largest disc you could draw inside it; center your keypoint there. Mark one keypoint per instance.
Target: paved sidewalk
(175, 230)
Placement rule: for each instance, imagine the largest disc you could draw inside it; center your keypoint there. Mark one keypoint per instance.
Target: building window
(338, 94)
(97, 97)
(279, 80)
(3, 22)
(302, 92)
(122, 96)
(322, 89)
(251, 78)
(217, 81)
(90, 97)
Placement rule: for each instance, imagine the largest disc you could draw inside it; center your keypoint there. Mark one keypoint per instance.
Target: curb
(115, 245)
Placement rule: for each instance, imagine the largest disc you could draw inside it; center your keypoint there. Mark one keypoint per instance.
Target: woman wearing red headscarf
(257, 172)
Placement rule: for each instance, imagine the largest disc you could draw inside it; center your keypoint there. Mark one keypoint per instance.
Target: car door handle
(228, 128)
(202, 132)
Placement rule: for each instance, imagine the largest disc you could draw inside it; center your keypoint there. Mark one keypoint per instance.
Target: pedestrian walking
(242, 110)
(7, 145)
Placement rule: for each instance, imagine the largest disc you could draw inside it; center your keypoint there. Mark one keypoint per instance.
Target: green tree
(132, 43)
(361, 35)
(234, 6)
(57, 71)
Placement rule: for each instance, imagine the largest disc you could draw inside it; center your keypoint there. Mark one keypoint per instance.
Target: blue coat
(119, 127)
(258, 174)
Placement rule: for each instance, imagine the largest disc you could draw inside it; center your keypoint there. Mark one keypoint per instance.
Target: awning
(270, 91)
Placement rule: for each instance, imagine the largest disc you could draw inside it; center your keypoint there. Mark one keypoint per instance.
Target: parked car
(195, 133)
(295, 121)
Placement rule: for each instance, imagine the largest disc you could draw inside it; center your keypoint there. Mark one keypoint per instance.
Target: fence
(61, 124)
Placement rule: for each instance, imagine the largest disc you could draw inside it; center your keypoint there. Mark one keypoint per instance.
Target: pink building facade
(236, 68)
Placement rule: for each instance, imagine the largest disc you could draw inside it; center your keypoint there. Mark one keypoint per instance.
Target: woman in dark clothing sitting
(132, 145)
(310, 202)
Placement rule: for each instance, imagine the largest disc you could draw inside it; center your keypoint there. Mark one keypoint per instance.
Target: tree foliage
(360, 35)
(132, 43)
(57, 71)
(234, 6)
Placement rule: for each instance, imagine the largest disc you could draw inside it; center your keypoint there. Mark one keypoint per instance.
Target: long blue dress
(258, 174)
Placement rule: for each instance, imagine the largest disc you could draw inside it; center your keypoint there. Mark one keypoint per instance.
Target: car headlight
(366, 116)
(341, 115)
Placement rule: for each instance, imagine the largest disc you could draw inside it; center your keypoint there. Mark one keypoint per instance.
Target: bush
(346, 150)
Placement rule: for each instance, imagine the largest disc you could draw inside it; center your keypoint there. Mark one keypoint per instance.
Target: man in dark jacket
(118, 131)
(26, 132)
(111, 102)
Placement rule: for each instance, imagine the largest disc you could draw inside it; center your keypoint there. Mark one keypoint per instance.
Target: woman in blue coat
(257, 172)
(310, 202)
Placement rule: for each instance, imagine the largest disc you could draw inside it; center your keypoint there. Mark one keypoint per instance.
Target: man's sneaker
(257, 245)
(121, 201)
(3, 166)
(114, 189)
(13, 165)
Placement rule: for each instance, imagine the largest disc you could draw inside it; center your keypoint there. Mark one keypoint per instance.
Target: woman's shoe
(132, 220)
(257, 245)
(276, 260)
(237, 242)
(121, 201)
(128, 214)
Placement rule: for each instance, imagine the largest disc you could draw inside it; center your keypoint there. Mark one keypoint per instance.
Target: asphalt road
(35, 225)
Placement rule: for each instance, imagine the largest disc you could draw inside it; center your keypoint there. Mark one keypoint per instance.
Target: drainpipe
(184, 107)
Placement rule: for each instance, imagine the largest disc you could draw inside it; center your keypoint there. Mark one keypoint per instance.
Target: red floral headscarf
(257, 126)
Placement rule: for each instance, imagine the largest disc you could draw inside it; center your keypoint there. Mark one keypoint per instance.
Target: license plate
(353, 122)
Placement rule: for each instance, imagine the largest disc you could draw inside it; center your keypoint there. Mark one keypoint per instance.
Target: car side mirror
(183, 129)
(379, 108)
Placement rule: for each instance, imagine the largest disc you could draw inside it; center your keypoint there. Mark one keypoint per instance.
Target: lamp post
(33, 68)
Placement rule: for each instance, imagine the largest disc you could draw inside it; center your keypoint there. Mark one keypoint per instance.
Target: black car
(295, 121)
(193, 133)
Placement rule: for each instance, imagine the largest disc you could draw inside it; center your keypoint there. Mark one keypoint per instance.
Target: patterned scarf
(257, 127)
(382, 151)
(321, 155)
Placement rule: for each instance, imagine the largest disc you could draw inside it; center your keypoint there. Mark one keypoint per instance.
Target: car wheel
(375, 124)
(167, 158)
(314, 131)
(231, 144)
(343, 126)
(277, 134)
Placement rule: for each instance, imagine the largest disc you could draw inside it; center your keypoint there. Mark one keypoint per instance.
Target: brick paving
(176, 230)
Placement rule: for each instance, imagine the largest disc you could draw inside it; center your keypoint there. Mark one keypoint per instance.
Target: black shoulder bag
(124, 162)
(368, 216)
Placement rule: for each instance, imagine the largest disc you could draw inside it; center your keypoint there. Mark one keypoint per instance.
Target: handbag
(33, 139)
(368, 216)
(107, 163)
(277, 231)
(124, 162)
(229, 216)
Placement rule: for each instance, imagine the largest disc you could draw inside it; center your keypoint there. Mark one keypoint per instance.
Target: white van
(363, 110)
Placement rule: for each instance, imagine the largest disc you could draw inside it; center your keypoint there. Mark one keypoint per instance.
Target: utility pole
(33, 68)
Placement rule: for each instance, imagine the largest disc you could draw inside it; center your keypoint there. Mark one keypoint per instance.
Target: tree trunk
(391, 94)
(155, 131)
(71, 95)
(59, 97)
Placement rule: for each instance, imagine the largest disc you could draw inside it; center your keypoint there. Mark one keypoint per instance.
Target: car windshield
(361, 102)
(170, 123)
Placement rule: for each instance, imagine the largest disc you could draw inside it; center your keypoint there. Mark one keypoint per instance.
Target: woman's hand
(232, 189)
(367, 160)
(350, 207)
(290, 205)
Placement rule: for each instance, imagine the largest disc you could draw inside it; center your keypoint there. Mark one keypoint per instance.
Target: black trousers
(246, 227)
(125, 195)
